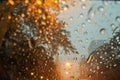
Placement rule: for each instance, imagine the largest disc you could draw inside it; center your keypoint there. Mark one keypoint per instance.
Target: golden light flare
(26, 1)
(9, 17)
(39, 11)
(11, 2)
(67, 64)
(32, 73)
(54, 4)
(39, 2)
(22, 15)
(41, 77)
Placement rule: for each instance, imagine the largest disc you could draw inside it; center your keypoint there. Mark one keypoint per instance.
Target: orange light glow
(11, 2)
(66, 72)
(39, 2)
(67, 64)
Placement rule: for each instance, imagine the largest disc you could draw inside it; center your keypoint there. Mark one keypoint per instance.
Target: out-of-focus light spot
(11, 2)
(93, 14)
(63, 2)
(26, 1)
(23, 15)
(9, 17)
(67, 64)
(56, 1)
(66, 72)
(41, 77)
(83, 6)
(39, 2)
(83, 0)
(66, 8)
(39, 11)
(32, 73)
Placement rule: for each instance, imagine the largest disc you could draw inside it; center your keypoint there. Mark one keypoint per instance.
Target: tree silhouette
(32, 36)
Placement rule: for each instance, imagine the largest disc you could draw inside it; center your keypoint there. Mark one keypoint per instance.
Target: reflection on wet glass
(59, 40)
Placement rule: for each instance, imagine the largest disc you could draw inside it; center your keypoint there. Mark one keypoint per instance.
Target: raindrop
(98, 67)
(93, 14)
(105, 3)
(66, 7)
(102, 31)
(74, 3)
(88, 20)
(115, 65)
(83, 6)
(63, 2)
(80, 41)
(71, 18)
(83, 25)
(81, 15)
(87, 40)
(118, 18)
(113, 25)
(101, 8)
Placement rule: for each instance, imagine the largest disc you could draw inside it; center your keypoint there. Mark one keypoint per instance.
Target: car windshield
(59, 39)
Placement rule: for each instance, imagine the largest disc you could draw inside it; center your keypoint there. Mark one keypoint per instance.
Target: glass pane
(59, 40)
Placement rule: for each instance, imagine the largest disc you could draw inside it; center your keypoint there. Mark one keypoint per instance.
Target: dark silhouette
(3, 74)
(104, 62)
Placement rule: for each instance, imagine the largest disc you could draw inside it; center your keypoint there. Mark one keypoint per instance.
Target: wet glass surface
(59, 40)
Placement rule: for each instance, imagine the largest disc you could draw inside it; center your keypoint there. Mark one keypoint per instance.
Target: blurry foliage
(30, 34)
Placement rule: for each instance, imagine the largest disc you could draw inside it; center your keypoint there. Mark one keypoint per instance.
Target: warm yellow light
(83, 0)
(43, 23)
(63, 2)
(56, 1)
(67, 64)
(39, 11)
(26, 1)
(32, 73)
(9, 17)
(11, 2)
(66, 72)
(66, 8)
(41, 77)
(39, 2)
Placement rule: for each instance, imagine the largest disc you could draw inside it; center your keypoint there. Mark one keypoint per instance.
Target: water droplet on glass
(71, 18)
(93, 14)
(83, 6)
(113, 25)
(80, 41)
(63, 2)
(88, 20)
(106, 3)
(81, 15)
(118, 18)
(102, 31)
(83, 25)
(66, 7)
(101, 8)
